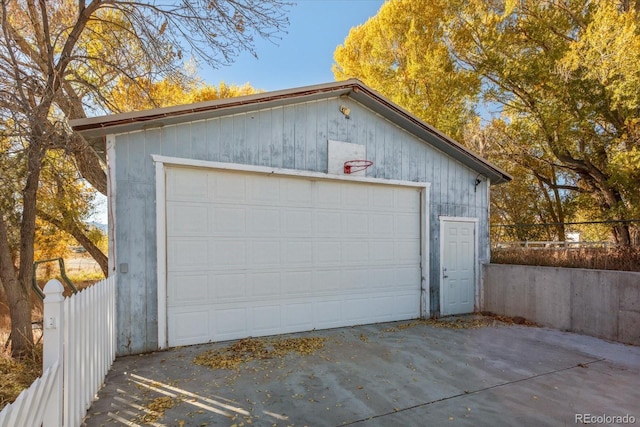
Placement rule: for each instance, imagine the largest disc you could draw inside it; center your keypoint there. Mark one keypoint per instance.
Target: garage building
(257, 215)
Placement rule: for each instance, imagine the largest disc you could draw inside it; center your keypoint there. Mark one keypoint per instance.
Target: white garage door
(255, 255)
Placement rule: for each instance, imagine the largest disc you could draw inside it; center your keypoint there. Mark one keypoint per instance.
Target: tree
(530, 198)
(141, 95)
(402, 53)
(564, 71)
(564, 75)
(65, 201)
(58, 61)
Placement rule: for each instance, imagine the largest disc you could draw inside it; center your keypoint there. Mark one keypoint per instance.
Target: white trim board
(177, 161)
(161, 162)
(161, 253)
(111, 204)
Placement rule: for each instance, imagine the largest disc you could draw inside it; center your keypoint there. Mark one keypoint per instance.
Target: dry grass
(17, 375)
(622, 259)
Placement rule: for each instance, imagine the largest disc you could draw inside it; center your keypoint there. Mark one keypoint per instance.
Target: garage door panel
(407, 251)
(229, 322)
(228, 287)
(328, 313)
(406, 201)
(326, 282)
(188, 288)
(266, 319)
(264, 253)
(186, 185)
(298, 253)
(407, 226)
(328, 194)
(228, 220)
(382, 251)
(298, 222)
(356, 310)
(405, 277)
(187, 219)
(354, 279)
(188, 326)
(355, 252)
(328, 224)
(383, 307)
(263, 221)
(296, 192)
(228, 188)
(327, 252)
(382, 225)
(264, 191)
(298, 316)
(404, 305)
(188, 253)
(287, 254)
(227, 253)
(297, 283)
(381, 277)
(355, 225)
(265, 284)
(383, 200)
(355, 198)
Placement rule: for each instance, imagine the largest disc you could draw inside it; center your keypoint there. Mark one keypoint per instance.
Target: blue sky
(305, 54)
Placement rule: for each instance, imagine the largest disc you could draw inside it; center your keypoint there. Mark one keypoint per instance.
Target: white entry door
(458, 265)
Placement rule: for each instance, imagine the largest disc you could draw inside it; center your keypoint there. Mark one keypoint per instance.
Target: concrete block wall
(600, 303)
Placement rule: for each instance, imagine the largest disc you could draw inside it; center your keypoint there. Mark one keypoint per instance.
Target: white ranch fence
(551, 244)
(79, 348)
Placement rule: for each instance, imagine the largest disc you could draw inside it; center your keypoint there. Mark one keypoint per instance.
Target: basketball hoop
(351, 166)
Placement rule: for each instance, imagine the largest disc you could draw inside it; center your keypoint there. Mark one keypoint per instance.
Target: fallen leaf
(248, 349)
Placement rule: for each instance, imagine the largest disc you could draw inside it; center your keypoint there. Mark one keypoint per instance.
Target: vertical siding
(288, 137)
(295, 137)
(322, 135)
(199, 140)
(239, 139)
(262, 133)
(277, 138)
(123, 213)
(212, 138)
(226, 140)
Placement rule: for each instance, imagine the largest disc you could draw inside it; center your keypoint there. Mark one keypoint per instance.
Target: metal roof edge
(113, 123)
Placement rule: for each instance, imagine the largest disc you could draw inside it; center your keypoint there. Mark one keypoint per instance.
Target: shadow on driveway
(391, 374)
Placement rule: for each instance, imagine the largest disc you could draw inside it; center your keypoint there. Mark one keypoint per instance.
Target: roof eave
(95, 129)
(159, 117)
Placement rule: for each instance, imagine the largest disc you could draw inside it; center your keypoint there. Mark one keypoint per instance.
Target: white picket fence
(29, 407)
(79, 348)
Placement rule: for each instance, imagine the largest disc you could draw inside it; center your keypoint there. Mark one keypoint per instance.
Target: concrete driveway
(392, 374)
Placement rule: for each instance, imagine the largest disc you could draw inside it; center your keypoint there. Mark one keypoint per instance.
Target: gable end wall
(291, 137)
